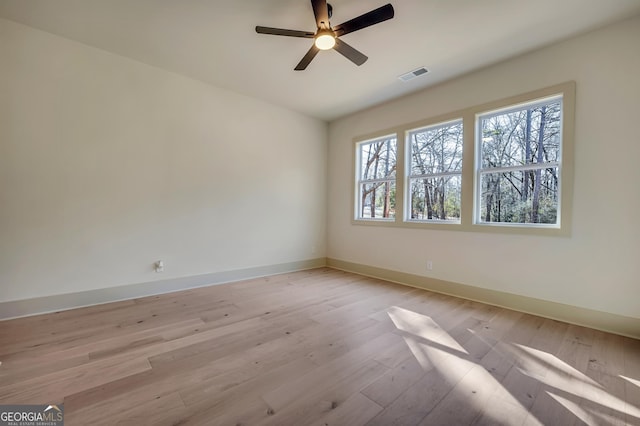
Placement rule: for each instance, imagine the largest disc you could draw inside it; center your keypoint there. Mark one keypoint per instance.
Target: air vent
(413, 74)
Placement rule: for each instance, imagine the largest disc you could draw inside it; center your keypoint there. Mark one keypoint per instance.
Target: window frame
(469, 202)
(480, 170)
(410, 176)
(360, 181)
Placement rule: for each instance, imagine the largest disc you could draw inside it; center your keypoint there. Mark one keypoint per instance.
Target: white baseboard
(613, 323)
(604, 321)
(62, 302)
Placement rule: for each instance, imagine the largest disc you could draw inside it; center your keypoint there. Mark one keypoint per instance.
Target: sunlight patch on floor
(630, 380)
(450, 364)
(574, 408)
(422, 326)
(480, 337)
(418, 353)
(553, 372)
(544, 361)
(433, 347)
(607, 419)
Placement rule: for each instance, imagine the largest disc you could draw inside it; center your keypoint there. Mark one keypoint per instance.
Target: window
(377, 179)
(519, 164)
(505, 166)
(435, 173)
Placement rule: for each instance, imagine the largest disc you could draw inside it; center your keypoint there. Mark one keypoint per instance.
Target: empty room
(294, 212)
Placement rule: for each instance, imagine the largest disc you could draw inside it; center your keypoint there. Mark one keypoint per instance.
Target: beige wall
(597, 267)
(107, 165)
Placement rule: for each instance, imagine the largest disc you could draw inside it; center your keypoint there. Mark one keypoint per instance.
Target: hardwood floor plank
(235, 385)
(606, 366)
(356, 411)
(341, 345)
(394, 382)
(631, 379)
(51, 388)
(498, 410)
(324, 395)
(466, 401)
(159, 410)
(320, 347)
(415, 402)
(328, 373)
(500, 359)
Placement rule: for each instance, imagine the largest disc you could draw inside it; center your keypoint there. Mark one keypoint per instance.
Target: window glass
(519, 174)
(435, 173)
(504, 166)
(376, 181)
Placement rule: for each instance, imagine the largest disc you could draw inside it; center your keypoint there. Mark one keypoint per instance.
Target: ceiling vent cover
(413, 74)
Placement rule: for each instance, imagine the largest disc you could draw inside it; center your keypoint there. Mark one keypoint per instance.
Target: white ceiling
(214, 41)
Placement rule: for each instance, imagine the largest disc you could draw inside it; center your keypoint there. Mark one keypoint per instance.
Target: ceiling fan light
(325, 41)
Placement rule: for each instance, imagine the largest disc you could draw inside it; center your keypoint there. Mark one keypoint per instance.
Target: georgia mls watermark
(32, 415)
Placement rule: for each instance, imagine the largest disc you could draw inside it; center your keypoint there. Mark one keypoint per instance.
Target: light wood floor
(320, 347)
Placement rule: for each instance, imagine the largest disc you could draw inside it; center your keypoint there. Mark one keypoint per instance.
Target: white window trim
(470, 174)
(479, 170)
(409, 177)
(360, 182)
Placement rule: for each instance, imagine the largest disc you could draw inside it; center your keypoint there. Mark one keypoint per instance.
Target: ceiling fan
(327, 37)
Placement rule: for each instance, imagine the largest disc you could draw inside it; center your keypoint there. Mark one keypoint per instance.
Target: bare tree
(380, 162)
(528, 137)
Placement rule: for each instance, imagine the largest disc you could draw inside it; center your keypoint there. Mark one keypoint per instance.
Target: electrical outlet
(159, 266)
(429, 265)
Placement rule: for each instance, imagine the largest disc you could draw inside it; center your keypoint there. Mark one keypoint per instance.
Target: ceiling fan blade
(282, 32)
(370, 18)
(321, 12)
(306, 60)
(350, 53)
